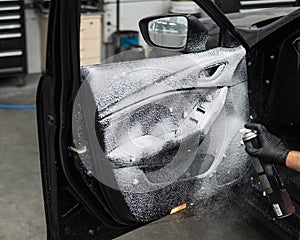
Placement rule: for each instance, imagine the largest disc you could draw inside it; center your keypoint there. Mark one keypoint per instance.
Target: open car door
(124, 144)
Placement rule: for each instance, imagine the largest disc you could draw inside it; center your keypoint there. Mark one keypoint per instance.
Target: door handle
(212, 71)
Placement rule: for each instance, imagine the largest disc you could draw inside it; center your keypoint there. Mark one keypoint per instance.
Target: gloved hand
(272, 150)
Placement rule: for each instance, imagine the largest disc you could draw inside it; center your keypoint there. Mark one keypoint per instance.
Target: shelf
(10, 35)
(12, 38)
(10, 17)
(10, 8)
(11, 70)
(10, 26)
(11, 53)
(265, 2)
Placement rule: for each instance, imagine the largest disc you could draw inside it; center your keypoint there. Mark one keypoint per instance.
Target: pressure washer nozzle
(246, 130)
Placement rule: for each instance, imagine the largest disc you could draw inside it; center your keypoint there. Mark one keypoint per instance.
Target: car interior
(112, 185)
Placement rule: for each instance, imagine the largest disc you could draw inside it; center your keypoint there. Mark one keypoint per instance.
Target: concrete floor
(21, 202)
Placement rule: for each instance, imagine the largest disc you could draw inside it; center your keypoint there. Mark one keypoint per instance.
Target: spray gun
(270, 179)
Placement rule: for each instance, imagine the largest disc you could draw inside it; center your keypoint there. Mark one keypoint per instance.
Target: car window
(100, 44)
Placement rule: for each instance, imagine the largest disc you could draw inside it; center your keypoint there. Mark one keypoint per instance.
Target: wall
(33, 39)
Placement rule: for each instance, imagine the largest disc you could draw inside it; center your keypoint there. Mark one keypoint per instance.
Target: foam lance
(270, 179)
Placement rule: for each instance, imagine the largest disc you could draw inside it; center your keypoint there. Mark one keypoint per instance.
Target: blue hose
(16, 107)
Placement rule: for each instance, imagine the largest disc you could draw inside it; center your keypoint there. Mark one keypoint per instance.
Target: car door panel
(155, 129)
(129, 142)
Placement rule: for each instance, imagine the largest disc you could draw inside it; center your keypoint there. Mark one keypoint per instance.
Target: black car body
(92, 188)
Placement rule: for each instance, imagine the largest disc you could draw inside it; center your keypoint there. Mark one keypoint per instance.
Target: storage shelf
(11, 70)
(11, 53)
(10, 26)
(10, 17)
(265, 2)
(10, 35)
(10, 8)
(12, 38)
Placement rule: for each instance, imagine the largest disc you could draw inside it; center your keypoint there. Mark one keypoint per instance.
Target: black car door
(124, 144)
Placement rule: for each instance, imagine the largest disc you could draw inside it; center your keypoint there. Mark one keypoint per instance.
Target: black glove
(272, 150)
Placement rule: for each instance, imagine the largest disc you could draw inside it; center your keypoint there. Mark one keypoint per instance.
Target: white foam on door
(137, 148)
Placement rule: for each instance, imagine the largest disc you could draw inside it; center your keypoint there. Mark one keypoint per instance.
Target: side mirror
(169, 31)
(183, 33)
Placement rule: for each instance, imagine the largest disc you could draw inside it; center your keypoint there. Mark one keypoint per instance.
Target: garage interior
(107, 28)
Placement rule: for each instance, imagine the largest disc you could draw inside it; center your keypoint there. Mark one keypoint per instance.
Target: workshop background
(108, 27)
